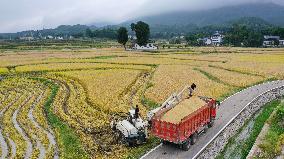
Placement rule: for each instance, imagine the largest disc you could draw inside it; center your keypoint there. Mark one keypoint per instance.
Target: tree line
(103, 33)
(238, 35)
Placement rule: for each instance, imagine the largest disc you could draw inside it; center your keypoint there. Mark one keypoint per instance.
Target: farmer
(136, 115)
(191, 88)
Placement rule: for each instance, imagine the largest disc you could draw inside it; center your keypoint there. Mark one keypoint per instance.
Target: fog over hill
(22, 15)
(269, 12)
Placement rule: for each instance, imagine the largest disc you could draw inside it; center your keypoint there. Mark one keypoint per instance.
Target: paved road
(227, 110)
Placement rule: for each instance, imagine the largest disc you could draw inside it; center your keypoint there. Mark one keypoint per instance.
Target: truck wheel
(205, 128)
(165, 142)
(193, 138)
(211, 123)
(186, 145)
(131, 143)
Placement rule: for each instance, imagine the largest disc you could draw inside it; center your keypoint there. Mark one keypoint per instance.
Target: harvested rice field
(51, 97)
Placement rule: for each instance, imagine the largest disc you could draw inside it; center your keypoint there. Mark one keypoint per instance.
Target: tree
(237, 35)
(142, 31)
(254, 39)
(191, 39)
(78, 35)
(241, 35)
(122, 36)
(89, 33)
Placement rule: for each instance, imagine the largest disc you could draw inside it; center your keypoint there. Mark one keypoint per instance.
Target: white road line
(151, 151)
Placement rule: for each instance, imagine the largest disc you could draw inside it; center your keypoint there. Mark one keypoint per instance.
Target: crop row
(23, 135)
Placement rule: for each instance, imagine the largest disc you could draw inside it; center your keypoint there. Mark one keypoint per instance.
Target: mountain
(62, 30)
(253, 23)
(257, 16)
(269, 12)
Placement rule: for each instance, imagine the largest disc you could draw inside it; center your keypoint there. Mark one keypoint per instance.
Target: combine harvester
(179, 120)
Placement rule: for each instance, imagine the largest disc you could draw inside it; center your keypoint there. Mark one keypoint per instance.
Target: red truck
(186, 131)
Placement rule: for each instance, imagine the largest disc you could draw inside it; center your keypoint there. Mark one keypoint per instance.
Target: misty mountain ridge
(270, 12)
(254, 16)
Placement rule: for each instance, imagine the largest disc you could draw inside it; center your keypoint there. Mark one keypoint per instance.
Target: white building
(204, 41)
(132, 37)
(281, 43)
(149, 46)
(29, 38)
(217, 39)
(270, 41)
(207, 41)
(59, 38)
(49, 37)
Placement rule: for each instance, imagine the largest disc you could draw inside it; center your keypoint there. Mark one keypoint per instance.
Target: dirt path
(4, 146)
(29, 149)
(3, 140)
(256, 150)
(13, 147)
(39, 145)
(50, 136)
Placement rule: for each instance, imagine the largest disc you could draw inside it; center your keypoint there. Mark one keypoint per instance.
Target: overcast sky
(18, 15)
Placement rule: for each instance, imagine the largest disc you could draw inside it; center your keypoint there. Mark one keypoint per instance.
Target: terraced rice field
(59, 104)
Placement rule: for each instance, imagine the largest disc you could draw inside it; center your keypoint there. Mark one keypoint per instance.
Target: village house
(281, 43)
(204, 41)
(59, 38)
(216, 39)
(270, 41)
(29, 38)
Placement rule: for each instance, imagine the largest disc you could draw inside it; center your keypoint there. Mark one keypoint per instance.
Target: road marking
(151, 151)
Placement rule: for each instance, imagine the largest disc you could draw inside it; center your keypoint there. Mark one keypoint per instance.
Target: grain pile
(183, 109)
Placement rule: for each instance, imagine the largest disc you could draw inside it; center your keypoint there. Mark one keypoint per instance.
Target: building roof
(271, 37)
(217, 34)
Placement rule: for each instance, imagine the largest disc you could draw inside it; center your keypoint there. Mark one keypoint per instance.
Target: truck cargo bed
(183, 109)
(179, 131)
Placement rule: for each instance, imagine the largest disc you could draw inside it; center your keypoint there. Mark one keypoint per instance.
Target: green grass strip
(69, 143)
(245, 147)
(213, 78)
(258, 125)
(237, 71)
(272, 144)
